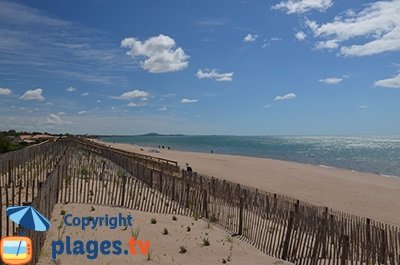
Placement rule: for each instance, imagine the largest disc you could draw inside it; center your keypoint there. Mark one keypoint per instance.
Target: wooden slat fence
(277, 225)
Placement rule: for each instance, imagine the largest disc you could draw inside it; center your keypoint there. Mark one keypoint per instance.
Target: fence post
(103, 168)
(368, 235)
(9, 172)
(241, 206)
(382, 256)
(287, 236)
(325, 227)
(317, 243)
(187, 195)
(205, 203)
(161, 181)
(173, 188)
(121, 203)
(151, 178)
(345, 249)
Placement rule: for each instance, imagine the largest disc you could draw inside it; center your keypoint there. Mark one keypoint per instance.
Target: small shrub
(174, 218)
(224, 261)
(153, 221)
(63, 212)
(120, 173)
(150, 255)
(182, 249)
(213, 219)
(165, 231)
(188, 229)
(206, 242)
(92, 209)
(84, 171)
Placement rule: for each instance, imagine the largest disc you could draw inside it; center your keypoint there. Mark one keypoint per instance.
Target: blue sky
(308, 67)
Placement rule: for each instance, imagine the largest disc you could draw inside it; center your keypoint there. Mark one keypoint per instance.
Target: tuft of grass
(224, 261)
(165, 231)
(213, 219)
(174, 218)
(92, 209)
(135, 233)
(120, 173)
(63, 212)
(196, 216)
(84, 171)
(182, 249)
(153, 221)
(150, 255)
(188, 229)
(206, 242)
(68, 180)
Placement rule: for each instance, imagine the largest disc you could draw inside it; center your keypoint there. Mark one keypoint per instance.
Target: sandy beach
(164, 248)
(363, 194)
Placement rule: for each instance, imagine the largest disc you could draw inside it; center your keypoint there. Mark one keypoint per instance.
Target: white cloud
(186, 101)
(213, 74)
(5, 91)
(71, 89)
(85, 94)
(61, 113)
(300, 35)
(163, 109)
(375, 29)
(250, 37)
(48, 103)
(302, 6)
(286, 97)
(393, 82)
(329, 44)
(268, 106)
(54, 119)
(363, 107)
(98, 101)
(133, 94)
(212, 22)
(133, 104)
(82, 112)
(331, 80)
(33, 94)
(160, 52)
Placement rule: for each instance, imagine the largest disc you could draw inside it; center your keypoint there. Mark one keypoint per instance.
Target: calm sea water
(375, 154)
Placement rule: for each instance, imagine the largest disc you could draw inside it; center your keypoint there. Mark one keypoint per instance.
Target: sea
(373, 154)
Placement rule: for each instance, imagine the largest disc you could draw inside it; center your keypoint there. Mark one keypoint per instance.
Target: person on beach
(188, 168)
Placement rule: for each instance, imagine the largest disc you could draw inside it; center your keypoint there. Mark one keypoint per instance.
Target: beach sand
(165, 249)
(363, 194)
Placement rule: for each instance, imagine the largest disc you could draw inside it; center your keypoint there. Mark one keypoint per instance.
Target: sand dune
(363, 194)
(164, 248)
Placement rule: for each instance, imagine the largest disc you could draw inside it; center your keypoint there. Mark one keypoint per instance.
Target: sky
(231, 67)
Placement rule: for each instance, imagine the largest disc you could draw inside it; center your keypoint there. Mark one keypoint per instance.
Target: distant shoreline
(291, 158)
